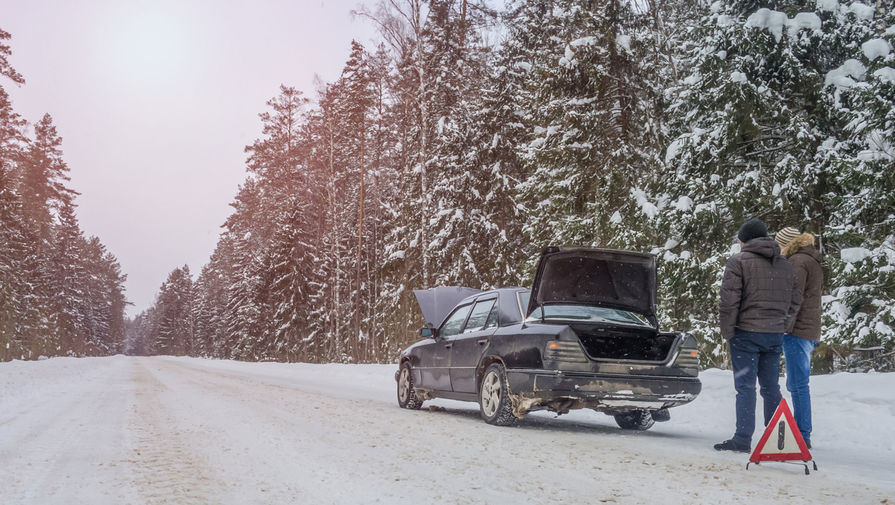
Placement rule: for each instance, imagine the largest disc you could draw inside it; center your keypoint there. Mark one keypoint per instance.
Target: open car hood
(436, 303)
(598, 277)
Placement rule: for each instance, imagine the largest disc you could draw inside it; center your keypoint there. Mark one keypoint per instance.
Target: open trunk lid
(597, 277)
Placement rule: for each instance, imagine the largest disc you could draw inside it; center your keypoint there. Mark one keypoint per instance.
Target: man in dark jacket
(759, 302)
(802, 337)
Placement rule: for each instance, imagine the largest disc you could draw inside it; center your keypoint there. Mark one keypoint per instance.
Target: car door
(469, 345)
(436, 360)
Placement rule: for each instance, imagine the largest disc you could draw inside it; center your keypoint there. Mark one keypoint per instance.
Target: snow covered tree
(210, 302)
(405, 261)
(13, 247)
(102, 311)
(469, 194)
(654, 126)
(173, 314)
(12, 252)
(44, 176)
(286, 200)
(59, 293)
(67, 287)
(748, 121)
(6, 69)
(860, 238)
(590, 121)
(338, 155)
(246, 319)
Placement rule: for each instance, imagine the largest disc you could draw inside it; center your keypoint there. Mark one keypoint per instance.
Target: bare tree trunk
(335, 347)
(462, 23)
(360, 236)
(422, 156)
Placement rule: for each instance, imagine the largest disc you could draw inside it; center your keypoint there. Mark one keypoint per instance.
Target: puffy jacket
(806, 262)
(759, 291)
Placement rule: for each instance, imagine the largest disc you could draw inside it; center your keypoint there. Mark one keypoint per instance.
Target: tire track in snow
(167, 470)
(295, 446)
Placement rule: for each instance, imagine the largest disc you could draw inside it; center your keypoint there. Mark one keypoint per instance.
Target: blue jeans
(798, 370)
(754, 355)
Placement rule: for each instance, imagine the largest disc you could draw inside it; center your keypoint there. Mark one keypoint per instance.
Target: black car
(585, 336)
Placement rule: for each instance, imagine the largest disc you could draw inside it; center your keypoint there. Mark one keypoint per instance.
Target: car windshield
(589, 313)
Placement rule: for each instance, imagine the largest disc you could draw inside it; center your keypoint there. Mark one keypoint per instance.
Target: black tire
(494, 401)
(640, 420)
(407, 398)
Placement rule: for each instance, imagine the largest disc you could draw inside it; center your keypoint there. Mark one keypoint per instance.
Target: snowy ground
(189, 431)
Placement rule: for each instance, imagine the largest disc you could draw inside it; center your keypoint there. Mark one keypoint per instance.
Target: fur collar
(803, 240)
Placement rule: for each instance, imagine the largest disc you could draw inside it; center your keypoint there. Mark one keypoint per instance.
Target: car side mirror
(427, 332)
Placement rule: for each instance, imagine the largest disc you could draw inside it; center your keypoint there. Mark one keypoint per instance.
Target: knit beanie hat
(786, 235)
(752, 229)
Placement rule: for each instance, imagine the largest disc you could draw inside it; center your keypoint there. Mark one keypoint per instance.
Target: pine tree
(13, 247)
(68, 287)
(44, 177)
(748, 121)
(405, 256)
(590, 144)
(285, 201)
(173, 313)
(860, 239)
(6, 69)
(59, 293)
(210, 301)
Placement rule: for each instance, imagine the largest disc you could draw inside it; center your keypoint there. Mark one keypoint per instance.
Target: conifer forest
(470, 137)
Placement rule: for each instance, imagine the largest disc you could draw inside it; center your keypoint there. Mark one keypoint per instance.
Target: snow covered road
(190, 431)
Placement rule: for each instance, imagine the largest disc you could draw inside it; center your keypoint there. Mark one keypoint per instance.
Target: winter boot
(730, 445)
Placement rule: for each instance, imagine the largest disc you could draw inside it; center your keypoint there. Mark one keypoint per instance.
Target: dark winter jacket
(759, 291)
(806, 262)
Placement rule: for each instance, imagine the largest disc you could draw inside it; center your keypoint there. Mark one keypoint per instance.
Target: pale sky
(155, 101)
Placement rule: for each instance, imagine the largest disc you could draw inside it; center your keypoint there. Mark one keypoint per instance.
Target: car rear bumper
(601, 391)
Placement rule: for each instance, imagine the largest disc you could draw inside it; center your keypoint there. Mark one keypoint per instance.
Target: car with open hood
(585, 336)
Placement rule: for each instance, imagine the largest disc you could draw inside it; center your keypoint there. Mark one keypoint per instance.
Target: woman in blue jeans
(801, 339)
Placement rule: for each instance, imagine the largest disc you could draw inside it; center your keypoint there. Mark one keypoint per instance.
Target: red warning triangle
(781, 440)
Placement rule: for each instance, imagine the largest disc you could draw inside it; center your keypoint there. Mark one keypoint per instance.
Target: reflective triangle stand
(782, 441)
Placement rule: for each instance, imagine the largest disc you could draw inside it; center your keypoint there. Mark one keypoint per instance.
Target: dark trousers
(755, 355)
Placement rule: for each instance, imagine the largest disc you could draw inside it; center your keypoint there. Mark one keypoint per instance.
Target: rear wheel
(407, 398)
(494, 402)
(640, 420)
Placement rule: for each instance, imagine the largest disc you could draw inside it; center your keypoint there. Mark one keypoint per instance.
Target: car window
(479, 316)
(492, 318)
(454, 322)
(588, 313)
(524, 297)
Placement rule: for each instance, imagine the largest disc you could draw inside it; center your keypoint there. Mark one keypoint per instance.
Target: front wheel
(640, 420)
(494, 401)
(407, 398)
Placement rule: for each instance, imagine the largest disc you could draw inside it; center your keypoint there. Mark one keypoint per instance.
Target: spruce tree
(748, 121)
(589, 144)
(67, 284)
(173, 313)
(13, 246)
(860, 238)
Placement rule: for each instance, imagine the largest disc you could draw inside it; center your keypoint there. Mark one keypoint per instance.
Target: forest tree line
(61, 292)
(452, 152)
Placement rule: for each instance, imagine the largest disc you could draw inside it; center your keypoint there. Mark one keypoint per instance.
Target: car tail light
(564, 350)
(688, 358)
